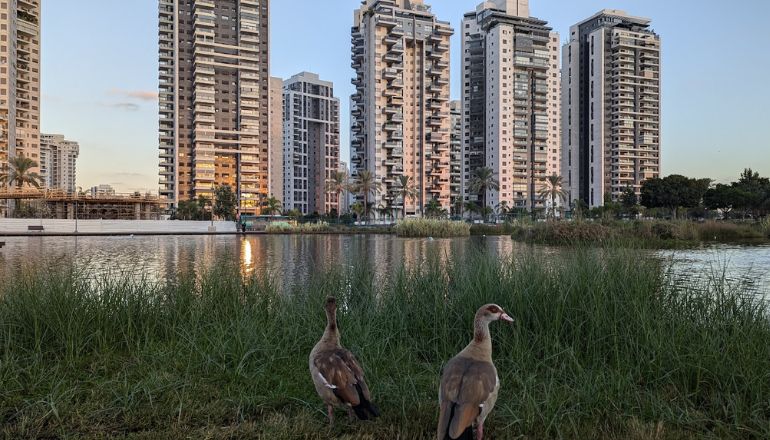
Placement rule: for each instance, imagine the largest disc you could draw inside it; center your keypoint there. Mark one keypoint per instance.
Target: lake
(293, 258)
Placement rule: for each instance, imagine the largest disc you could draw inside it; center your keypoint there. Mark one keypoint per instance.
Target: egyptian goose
(337, 375)
(469, 382)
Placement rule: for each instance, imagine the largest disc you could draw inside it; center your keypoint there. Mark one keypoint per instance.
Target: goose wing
(466, 384)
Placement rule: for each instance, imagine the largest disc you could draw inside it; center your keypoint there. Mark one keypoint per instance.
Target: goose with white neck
(337, 375)
(469, 382)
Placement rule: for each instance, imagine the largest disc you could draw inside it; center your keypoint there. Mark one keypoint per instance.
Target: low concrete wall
(21, 226)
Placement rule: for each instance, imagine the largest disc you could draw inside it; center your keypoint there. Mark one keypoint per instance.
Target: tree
(483, 180)
(630, 202)
(225, 202)
(502, 209)
(272, 206)
(754, 191)
(472, 207)
(673, 192)
(629, 199)
(579, 209)
(366, 185)
(553, 190)
(19, 173)
(406, 190)
(338, 184)
(358, 210)
(457, 207)
(434, 209)
(188, 210)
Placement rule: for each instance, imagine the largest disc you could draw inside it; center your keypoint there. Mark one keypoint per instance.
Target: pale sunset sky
(100, 76)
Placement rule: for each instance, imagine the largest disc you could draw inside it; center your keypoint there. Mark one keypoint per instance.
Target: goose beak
(506, 318)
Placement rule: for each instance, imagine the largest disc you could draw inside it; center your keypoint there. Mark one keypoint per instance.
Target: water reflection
(293, 259)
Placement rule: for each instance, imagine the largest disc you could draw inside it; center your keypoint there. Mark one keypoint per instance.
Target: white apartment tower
(510, 102)
(311, 147)
(58, 162)
(400, 122)
(611, 95)
(19, 80)
(214, 110)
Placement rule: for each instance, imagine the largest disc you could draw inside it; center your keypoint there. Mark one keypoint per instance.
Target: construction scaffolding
(56, 204)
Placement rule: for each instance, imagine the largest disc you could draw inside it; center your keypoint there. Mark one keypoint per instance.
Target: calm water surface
(294, 258)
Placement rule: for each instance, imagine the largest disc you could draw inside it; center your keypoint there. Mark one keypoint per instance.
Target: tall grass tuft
(605, 345)
(302, 228)
(432, 228)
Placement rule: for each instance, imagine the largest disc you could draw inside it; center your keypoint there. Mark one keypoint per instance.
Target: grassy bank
(649, 234)
(603, 347)
(432, 228)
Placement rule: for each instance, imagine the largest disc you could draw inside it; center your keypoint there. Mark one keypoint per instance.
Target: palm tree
(338, 184)
(472, 207)
(482, 180)
(407, 191)
(434, 209)
(366, 184)
(272, 206)
(19, 173)
(553, 190)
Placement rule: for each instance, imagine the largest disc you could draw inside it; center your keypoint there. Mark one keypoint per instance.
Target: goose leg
(351, 414)
(480, 432)
(330, 412)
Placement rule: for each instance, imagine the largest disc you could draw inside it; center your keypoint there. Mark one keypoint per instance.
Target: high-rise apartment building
(611, 95)
(214, 109)
(19, 80)
(311, 144)
(275, 155)
(510, 104)
(400, 124)
(58, 162)
(456, 152)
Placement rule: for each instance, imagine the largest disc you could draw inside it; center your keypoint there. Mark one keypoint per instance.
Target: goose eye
(493, 309)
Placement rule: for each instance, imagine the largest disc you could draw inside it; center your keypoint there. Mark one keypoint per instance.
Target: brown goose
(338, 378)
(469, 382)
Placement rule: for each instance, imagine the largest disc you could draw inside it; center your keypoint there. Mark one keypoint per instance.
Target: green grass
(604, 347)
(431, 228)
(647, 233)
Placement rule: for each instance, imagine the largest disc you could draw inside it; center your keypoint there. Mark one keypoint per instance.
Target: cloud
(125, 106)
(141, 95)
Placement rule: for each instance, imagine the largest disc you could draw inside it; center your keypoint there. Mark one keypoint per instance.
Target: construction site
(57, 204)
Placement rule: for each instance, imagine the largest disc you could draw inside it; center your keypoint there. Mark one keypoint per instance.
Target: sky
(100, 76)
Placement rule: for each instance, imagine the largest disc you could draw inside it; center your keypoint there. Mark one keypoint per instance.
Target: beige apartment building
(58, 162)
(510, 103)
(611, 95)
(19, 80)
(275, 155)
(214, 104)
(311, 144)
(400, 123)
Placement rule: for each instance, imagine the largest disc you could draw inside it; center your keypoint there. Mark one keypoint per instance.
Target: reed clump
(640, 233)
(605, 345)
(432, 228)
(300, 228)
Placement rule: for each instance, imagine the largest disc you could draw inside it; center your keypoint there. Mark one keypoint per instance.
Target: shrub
(432, 228)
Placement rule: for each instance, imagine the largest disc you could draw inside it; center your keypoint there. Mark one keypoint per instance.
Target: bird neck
(332, 332)
(481, 345)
